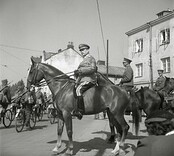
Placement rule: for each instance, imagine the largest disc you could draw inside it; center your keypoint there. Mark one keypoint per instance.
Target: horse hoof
(115, 152)
(55, 150)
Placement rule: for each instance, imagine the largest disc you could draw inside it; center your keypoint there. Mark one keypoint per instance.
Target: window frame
(166, 64)
(164, 36)
(139, 70)
(139, 45)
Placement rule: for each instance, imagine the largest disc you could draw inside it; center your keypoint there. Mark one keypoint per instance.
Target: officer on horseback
(86, 78)
(127, 79)
(160, 82)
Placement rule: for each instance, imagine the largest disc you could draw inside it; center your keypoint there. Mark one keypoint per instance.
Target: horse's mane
(59, 72)
(100, 75)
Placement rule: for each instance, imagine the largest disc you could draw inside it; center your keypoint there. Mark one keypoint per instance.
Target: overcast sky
(27, 27)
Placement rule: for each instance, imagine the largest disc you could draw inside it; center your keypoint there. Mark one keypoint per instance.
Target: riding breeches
(83, 86)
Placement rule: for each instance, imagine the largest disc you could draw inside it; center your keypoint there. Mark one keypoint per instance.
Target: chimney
(70, 45)
(163, 13)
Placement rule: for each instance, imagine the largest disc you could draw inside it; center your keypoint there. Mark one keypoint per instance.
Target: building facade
(151, 47)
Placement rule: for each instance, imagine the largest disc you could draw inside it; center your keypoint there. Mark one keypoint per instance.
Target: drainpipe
(107, 59)
(150, 54)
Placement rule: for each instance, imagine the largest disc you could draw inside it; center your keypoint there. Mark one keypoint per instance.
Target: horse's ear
(32, 60)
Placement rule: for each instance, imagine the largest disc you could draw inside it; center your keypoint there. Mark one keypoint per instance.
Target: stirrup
(78, 114)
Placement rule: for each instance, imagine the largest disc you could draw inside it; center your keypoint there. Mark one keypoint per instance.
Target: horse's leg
(124, 128)
(68, 122)
(60, 125)
(112, 128)
(116, 124)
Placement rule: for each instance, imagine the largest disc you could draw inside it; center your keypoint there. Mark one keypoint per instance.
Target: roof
(116, 72)
(151, 23)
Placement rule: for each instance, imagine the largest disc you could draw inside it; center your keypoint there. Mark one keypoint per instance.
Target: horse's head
(35, 75)
(169, 85)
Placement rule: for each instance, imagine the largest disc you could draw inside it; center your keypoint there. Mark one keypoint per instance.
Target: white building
(151, 47)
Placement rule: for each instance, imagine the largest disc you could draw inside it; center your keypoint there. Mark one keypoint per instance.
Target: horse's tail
(135, 111)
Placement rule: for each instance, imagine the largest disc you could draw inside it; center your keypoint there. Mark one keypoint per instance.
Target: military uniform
(160, 83)
(87, 73)
(127, 79)
(86, 78)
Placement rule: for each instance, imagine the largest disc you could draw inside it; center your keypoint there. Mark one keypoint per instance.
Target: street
(89, 135)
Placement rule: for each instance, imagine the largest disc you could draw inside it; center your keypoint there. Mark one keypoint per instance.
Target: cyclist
(5, 96)
(30, 101)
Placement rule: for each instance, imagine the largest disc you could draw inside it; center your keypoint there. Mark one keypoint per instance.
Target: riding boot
(79, 108)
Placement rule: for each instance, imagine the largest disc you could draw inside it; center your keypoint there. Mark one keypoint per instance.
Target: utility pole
(150, 54)
(107, 66)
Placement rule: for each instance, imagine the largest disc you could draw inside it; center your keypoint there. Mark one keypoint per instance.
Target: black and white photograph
(86, 77)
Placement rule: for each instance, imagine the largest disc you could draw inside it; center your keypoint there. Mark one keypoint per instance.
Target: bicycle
(20, 119)
(39, 111)
(13, 109)
(6, 118)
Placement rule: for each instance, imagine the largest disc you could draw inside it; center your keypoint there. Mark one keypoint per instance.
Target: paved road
(89, 139)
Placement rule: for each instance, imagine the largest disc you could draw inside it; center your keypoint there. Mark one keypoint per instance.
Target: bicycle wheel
(32, 119)
(19, 121)
(13, 110)
(7, 118)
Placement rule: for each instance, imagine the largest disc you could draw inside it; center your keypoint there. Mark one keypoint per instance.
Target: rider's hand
(120, 84)
(76, 72)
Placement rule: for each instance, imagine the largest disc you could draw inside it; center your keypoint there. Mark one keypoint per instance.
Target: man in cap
(86, 78)
(5, 97)
(127, 79)
(160, 82)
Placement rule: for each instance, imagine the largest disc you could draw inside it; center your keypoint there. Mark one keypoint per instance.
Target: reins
(44, 83)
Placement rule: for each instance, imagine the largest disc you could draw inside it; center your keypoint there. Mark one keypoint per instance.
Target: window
(139, 70)
(165, 36)
(166, 64)
(139, 45)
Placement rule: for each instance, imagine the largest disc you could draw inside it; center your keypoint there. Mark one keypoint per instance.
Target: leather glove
(76, 72)
(120, 84)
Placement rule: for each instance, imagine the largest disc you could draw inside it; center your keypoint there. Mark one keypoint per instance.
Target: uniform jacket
(39, 97)
(87, 70)
(160, 83)
(6, 93)
(127, 79)
(156, 146)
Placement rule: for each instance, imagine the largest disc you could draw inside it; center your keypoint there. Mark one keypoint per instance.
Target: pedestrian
(127, 78)
(40, 102)
(85, 78)
(30, 101)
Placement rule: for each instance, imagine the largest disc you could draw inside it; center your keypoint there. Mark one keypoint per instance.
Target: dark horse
(148, 100)
(96, 99)
(169, 85)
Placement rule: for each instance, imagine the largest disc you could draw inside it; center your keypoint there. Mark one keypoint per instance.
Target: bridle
(42, 83)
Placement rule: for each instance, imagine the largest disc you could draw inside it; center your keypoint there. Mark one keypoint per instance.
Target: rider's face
(84, 52)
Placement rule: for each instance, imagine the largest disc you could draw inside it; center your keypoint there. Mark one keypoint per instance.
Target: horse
(96, 99)
(169, 85)
(148, 100)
